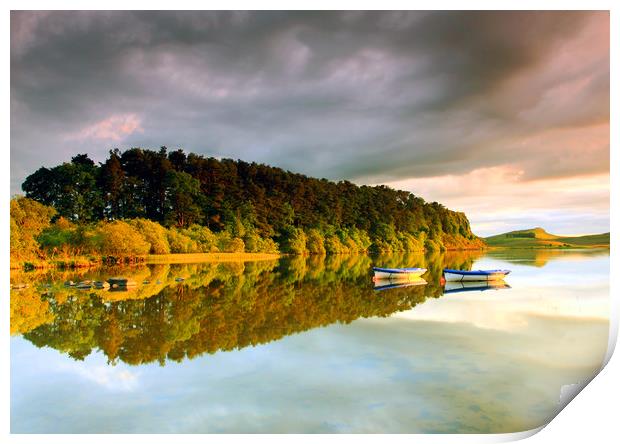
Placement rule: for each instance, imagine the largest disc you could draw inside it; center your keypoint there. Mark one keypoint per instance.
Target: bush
(268, 245)
(206, 241)
(229, 244)
(293, 240)
(28, 219)
(315, 242)
(120, 239)
(180, 243)
(155, 235)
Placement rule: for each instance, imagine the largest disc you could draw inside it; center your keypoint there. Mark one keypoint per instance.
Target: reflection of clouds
(494, 361)
(567, 288)
(116, 378)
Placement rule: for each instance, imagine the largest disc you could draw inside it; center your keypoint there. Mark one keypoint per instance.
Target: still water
(307, 345)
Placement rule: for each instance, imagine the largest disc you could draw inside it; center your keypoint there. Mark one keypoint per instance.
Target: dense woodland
(178, 202)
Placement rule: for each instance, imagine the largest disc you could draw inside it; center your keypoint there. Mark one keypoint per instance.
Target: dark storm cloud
(365, 96)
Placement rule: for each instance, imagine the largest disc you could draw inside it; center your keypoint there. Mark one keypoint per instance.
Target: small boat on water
(398, 273)
(474, 275)
(388, 285)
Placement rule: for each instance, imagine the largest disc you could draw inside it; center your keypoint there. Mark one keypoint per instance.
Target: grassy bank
(539, 238)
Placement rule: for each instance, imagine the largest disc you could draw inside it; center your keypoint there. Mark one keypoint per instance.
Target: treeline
(247, 200)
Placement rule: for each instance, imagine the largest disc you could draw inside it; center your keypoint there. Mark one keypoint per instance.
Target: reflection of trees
(216, 308)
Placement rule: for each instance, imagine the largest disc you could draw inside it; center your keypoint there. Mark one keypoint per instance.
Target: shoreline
(83, 262)
(184, 258)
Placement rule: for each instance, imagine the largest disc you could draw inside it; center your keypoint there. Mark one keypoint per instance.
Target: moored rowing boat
(398, 273)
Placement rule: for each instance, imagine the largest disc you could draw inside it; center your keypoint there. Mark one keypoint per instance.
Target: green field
(539, 238)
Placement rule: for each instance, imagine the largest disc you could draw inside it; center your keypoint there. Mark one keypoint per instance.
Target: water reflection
(183, 311)
(421, 361)
(383, 284)
(459, 287)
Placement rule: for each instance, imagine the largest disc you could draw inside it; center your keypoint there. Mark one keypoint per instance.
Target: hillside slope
(539, 238)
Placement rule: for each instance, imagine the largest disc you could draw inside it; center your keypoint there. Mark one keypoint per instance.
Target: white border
(590, 416)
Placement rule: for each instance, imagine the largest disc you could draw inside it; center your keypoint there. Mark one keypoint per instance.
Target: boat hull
(399, 275)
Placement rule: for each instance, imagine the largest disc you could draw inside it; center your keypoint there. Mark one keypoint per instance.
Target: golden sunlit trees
(154, 234)
(120, 239)
(28, 219)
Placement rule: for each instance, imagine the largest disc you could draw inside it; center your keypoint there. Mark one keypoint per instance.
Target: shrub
(315, 242)
(180, 243)
(28, 219)
(293, 240)
(155, 235)
(206, 241)
(229, 244)
(118, 238)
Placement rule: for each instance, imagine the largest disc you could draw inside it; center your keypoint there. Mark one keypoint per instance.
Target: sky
(503, 115)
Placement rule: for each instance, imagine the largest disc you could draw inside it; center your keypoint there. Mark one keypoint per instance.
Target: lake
(308, 345)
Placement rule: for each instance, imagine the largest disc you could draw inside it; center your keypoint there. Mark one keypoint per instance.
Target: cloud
(502, 198)
(364, 96)
(114, 128)
(109, 377)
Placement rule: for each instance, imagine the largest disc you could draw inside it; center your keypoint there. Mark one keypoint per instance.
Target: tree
(182, 197)
(315, 242)
(112, 182)
(293, 240)
(28, 219)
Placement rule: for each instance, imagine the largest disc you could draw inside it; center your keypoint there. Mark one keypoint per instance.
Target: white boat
(398, 273)
(474, 275)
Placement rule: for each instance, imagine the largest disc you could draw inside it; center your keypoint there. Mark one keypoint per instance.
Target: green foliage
(315, 242)
(120, 239)
(229, 244)
(182, 196)
(206, 241)
(180, 243)
(154, 234)
(293, 240)
(66, 239)
(249, 201)
(28, 219)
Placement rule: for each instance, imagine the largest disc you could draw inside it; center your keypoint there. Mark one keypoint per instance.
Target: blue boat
(474, 275)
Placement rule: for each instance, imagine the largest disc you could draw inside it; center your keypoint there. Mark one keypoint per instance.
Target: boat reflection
(388, 285)
(458, 287)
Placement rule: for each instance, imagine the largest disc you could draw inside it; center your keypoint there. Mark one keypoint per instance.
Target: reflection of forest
(217, 307)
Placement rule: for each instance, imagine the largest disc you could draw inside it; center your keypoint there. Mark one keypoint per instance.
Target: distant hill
(539, 238)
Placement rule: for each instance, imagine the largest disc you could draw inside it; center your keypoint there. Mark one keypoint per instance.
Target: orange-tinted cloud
(114, 128)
